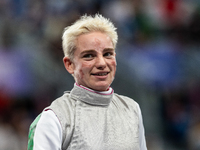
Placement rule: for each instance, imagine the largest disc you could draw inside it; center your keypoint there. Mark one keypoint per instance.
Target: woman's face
(94, 63)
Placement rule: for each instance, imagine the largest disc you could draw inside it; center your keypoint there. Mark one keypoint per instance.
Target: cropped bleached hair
(87, 24)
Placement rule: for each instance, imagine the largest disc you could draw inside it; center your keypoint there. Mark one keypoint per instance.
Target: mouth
(100, 74)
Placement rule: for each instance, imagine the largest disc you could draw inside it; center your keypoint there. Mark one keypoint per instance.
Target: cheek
(86, 67)
(114, 64)
(81, 74)
(78, 72)
(83, 70)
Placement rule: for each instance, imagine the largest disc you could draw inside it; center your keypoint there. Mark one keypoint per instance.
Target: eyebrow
(109, 49)
(87, 51)
(92, 51)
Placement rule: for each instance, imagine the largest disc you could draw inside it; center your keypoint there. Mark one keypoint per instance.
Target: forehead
(94, 41)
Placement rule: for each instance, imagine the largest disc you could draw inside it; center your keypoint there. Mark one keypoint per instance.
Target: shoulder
(62, 104)
(127, 102)
(64, 108)
(125, 99)
(45, 117)
(45, 125)
(61, 100)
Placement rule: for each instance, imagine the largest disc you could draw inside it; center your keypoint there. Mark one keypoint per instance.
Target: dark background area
(158, 57)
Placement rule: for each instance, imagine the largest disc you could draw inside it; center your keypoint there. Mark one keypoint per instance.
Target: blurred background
(158, 57)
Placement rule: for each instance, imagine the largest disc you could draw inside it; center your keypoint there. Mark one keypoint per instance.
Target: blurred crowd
(158, 56)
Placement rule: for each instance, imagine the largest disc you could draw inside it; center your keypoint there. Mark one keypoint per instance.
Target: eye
(108, 54)
(88, 56)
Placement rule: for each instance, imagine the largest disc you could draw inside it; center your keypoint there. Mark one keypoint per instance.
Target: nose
(100, 62)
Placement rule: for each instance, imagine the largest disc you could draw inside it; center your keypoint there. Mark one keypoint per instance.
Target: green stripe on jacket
(32, 132)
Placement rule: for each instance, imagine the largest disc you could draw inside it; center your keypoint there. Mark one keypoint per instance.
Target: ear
(68, 65)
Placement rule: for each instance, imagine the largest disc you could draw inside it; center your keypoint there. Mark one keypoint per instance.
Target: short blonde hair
(87, 24)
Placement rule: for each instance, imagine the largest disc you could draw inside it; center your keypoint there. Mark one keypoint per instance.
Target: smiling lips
(100, 74)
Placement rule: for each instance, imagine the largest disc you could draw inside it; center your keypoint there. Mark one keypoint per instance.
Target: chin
(101, 88)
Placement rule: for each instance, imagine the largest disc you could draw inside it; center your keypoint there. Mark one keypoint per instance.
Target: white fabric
(49, 129)
(142, 139)
(50, 122)
(48, 132)
(109, 91)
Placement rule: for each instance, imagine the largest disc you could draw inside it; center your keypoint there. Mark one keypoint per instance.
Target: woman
(91, 116)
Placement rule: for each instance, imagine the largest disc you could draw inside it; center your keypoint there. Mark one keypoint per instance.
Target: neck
(109, 90)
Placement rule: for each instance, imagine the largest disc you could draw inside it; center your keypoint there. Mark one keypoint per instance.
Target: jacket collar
(91, 97)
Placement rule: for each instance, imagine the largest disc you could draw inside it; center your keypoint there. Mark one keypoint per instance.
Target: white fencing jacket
(84, 119)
